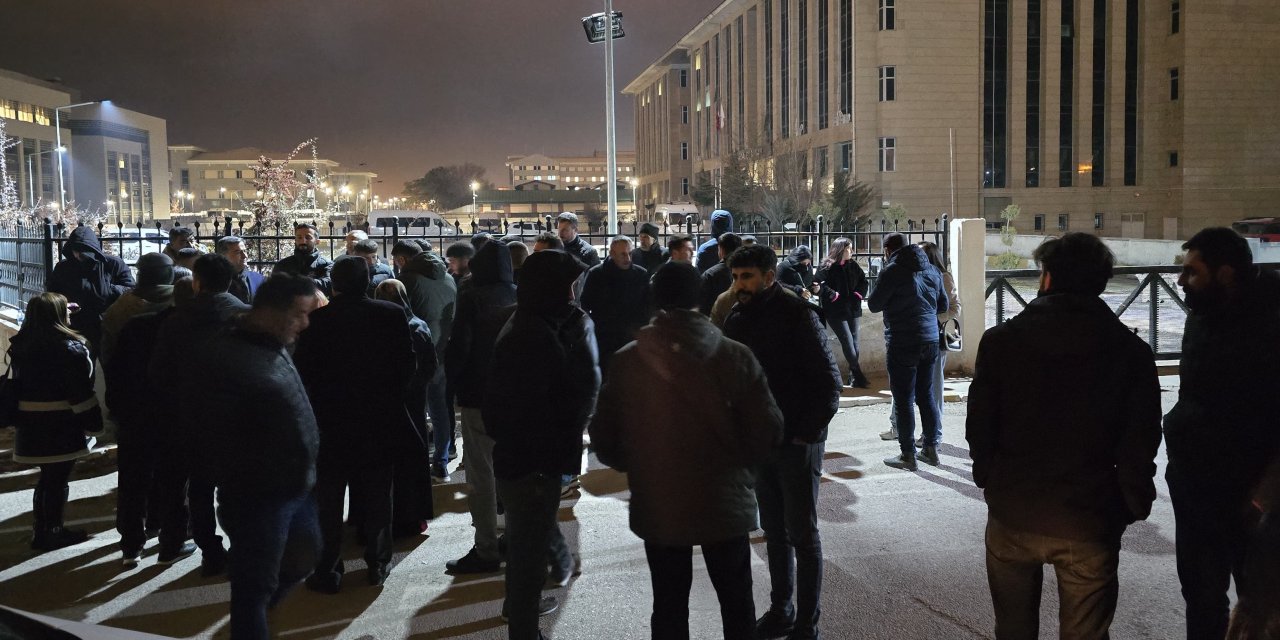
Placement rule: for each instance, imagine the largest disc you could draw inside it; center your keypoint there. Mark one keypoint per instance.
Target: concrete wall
(1128, 251)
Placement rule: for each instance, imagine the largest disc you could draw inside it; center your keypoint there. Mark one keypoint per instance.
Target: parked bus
(1264, 229)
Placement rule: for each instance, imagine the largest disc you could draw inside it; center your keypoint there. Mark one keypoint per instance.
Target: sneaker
(928, 455)
(439, 474)
(330, 584)
(57, 538)
(130, 558)
(902, 461)
(546, 604)
(774, 625)
(572, 485)
(891, 434)
(558, 581)
(172, 556)
(920, 442)
(471, 563)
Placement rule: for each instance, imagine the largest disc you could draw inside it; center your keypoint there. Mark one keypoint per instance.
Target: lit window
(8, 109)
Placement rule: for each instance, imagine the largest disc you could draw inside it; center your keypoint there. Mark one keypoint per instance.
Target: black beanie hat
(649, 229)
(676, 285)
(350, 275)
(154, 270)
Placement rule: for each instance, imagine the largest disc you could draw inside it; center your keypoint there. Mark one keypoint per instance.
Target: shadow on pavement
(966, 489)
(604, 482)
(75, 578)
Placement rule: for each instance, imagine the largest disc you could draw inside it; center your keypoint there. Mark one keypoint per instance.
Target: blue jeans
(938, 375)
(911, 380)
(534, 541)
(441, 414)
(846, 330)
(274, 546)
(787, 490)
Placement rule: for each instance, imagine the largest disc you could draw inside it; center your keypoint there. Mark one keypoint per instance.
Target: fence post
(968, 265)
(226, 230)
(1153, 304)
(395, 231)
(821, 223)
(50, 250)
(945, 230)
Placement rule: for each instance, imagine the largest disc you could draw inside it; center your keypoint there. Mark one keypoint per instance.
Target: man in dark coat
(483, 309)
(616, 295)
(379, 271)
(1062, 477)
(1220, 444)
(307, 259)
(650, 254)
(786, 336)
(710, 436)
(721, 223)
(795, 272)
(89, 278)
(911, 295)
(538, 397)
(717, 279)
(246, 281)
(358, 437)
(574, 245)
(259, 434)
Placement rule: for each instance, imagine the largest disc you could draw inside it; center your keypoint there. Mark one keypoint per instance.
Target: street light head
(475, 186)
(61, 149)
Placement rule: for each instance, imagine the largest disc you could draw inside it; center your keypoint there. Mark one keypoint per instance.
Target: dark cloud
(402, 85)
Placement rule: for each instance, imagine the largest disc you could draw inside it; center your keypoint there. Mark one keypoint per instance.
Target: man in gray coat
(711, 437)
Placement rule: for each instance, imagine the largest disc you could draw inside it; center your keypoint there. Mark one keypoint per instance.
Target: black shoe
(174, 555)
(556, 580)
(471, 563)
(546, 604)
(213, 564)
(57, 538)
(378, 573)
(902, 461)
(928, 455)
(920, 442)
(130, 558)
(330, 585)
(151, 532)
(774, 625)
(439, 474)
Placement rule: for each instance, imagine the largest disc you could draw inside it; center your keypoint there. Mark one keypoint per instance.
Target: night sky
(402, 85)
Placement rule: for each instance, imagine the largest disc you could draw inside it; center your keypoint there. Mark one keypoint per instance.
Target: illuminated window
(8, 109)
(24, 113)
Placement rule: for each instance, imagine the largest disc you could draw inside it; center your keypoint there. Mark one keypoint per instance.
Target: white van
(412, 221)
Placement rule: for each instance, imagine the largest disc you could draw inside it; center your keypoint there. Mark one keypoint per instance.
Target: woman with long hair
(841, 285)
(57, 411)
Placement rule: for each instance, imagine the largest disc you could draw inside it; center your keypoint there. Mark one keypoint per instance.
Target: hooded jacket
(312, 265)
(792, 274)
(910, 293)
(618, 301)
(481, 312)
(651, 259)
(1064, 420)
(433, 295)
(721, 222)
(94, 282)
(131, 305)
(710, 435)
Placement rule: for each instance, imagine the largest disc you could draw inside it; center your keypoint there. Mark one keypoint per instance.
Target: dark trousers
(911, 373)
(1087, 583)
(274, 544)
(412, 499)
(846, 330)
(441, 411)
(1211, 537)
(49, 500)
(728, 566)
(787, 490)
(370, 484)
(533, 541)
(151, 491)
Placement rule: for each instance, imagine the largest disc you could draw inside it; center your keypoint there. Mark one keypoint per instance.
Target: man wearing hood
(540, 392)
(650, 254)
(721, 222)
(307, 259)
(357, 439)
(91, 279)
(483, 308)
(795, 272)
(710, 436)
(910, 293)
(153, 293)
(433, 296)
(617, 297)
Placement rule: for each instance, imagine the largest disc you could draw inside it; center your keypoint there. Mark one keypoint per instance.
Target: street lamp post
(635, 204)
(31, 179)
(606, 27)
(475, 188)
(57, 127)
(222, 195)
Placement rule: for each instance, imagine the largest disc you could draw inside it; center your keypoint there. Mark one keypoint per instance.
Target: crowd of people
(537, 347)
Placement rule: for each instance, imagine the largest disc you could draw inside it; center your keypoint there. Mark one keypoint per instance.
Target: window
(1173, 158)
(886, 84)
(1175, 16)
(42, 116)
(846, 57)
(995, 93)
(1098, 219)
(8, 109)
(1033, 93)
(820, 157)
(846, 156)
(684, 150)
(684, 78)
(1066, 93)
(684, 114)
(767, 7)
(1063, 221)
(1100, 80)
(802, 81)
(886, 15)
(784, 63)
(823, 90)
(888, 151)
(660, 83)
(186, 180)
(1131, 93)
(1039, 222)
(684, 186)
(1173, 83)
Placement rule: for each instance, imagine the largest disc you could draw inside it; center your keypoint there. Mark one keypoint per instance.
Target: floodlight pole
(610, 133)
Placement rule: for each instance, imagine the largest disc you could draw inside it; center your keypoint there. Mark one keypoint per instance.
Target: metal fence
(26, 260)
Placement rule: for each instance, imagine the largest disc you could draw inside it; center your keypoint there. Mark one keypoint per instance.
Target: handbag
(951, 340)
(8, 396)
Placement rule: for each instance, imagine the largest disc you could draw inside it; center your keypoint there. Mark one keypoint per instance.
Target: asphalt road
(904, 559)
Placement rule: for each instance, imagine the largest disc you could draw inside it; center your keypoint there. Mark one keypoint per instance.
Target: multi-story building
(224, 180)
(540, 172)
(1125, 117)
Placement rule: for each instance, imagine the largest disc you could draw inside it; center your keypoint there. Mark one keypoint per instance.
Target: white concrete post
(969, 268)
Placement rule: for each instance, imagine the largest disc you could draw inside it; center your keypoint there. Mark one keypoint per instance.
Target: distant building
(221, 180)
(664, 159)
(496, 206)
(540, 172)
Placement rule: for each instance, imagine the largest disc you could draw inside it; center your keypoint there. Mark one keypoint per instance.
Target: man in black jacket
(379, 271)
(1220, 444)
(574, 245)
(650, 254)
(617, 297)
(483, 309)
(717, 279)
(259, 434)
(547, 350)
(1063, 427)
(307, 259)
(795, 272)
(89, 278)
(787, 338)
(358, 439)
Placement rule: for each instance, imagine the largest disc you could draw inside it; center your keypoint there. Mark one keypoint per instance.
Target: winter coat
(379, 273)
(715, 281)
(582, 250)
(360, 409)
(618, 301)
(433, 295)
(708, 252)
(134, 402)
(1219, 433)
(844, 285)
(57, 408)
(1064, 420)
(541, 389)
(953, 300)
(786, 336)
(255, 427)
(190, 325)
(910, 293)
(312, 265)
(651, 259)
(709, 435)
(244, 286)
(127, 307)
(94, 282)
(482, 311)
(792, 274)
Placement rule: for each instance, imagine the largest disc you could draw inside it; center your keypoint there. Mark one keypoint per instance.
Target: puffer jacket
(127, 307)
(312, 265)
(710, 435)
(911, 295)
(618, 301)
(433, 295)
(481, 312)
(708, 252)
(93, 282)
(57, 407)
(844, 285)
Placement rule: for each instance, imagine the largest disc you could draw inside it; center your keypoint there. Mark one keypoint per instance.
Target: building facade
(1120, 117)
(224, 180)
(541, 172)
